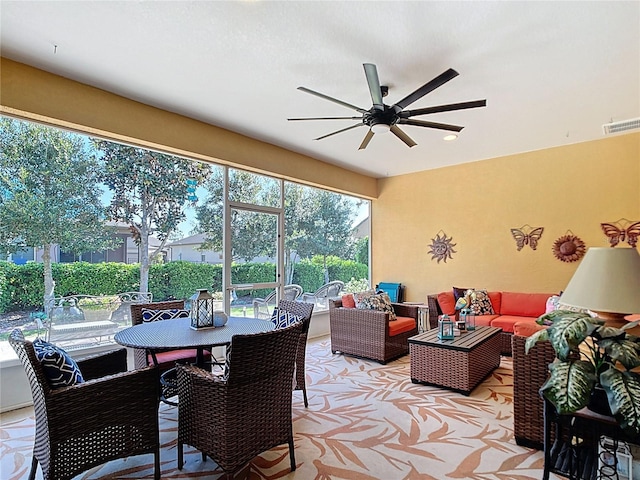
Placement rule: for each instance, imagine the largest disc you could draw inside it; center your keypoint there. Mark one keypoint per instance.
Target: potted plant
(590, 356)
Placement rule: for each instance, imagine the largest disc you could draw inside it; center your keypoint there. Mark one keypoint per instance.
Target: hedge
(22, 286)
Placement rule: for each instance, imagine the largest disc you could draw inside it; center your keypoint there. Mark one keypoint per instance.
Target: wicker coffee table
(459, 364)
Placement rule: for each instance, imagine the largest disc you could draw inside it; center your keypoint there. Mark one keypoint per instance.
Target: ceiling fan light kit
(382, 118)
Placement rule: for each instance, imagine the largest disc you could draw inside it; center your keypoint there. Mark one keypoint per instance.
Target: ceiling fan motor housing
(373, 116)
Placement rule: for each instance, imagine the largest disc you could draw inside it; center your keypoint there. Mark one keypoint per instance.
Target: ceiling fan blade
(443, 108)
(426, 88)
(371, 72)
(331, 99)
(325, 118)
(339, 131)
(366, 140)
(402, 136)
(422, 123)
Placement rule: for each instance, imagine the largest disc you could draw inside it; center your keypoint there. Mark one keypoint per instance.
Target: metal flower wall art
(441, 247)
(525, 235)
(623, 229)
(569, 248)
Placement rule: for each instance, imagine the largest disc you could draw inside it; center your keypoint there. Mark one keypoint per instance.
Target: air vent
(623, 126)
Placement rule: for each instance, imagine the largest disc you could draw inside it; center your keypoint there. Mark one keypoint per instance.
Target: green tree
(327, 224)
(361, 250)
(49, 194)
(252, 234)
(149, 194)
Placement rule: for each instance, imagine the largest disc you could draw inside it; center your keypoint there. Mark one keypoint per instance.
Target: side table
(575, 453)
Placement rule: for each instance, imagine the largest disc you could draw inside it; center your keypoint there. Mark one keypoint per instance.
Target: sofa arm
(434, 310)
(405, 310)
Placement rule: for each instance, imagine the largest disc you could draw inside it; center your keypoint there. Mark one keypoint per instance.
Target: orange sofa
(509, 307)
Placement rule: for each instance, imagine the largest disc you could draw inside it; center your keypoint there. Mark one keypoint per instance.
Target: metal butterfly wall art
(526, 235)
(623, 229)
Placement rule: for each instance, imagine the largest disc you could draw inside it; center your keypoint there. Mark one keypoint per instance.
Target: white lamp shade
(607, 280)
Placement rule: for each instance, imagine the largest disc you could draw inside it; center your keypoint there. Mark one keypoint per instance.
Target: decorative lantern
(470, 319)
(202, 310)
(445, 328)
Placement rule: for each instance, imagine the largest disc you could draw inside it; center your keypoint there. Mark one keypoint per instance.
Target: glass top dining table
(177, 333)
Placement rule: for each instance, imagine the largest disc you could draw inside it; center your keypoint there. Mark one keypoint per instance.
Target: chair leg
(292, 454)
(304, 394)
(34, 467)
(156, 463)
(180, 456)
(204, 456)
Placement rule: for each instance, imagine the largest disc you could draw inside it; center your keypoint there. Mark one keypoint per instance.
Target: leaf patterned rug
(365, 421)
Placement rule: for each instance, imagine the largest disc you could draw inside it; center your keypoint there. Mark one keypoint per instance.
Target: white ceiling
(552, 72)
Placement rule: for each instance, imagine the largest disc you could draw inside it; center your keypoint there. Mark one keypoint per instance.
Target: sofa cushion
(496, 301)
(506, 322)
(447, 303)
(348, 301)
(485, 320)
(401, 325)
(524, 304)
(526, 328)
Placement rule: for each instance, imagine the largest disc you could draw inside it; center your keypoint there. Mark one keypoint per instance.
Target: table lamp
(607, 282)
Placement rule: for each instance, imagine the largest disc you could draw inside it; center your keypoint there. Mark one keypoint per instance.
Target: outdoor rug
(365, 421)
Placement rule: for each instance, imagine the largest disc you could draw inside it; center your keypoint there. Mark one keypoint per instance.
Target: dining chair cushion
(284, 318)
(60, 369)
(172, 356)
(149, 315)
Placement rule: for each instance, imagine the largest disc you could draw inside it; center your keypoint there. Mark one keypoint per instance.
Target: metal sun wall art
(623, 229)
(569, 248)
(441, 247)
(526, 235)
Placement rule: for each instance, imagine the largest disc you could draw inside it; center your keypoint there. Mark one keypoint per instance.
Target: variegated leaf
(623, 392)
(568, 332)
(539, 336)
(569, 385)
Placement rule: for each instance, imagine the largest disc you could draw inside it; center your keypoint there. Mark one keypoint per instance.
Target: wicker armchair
(166, 359)
(303, 310)
(365, 333)
(262, 306)
(530, 371)
(233, 418)
(113, 414)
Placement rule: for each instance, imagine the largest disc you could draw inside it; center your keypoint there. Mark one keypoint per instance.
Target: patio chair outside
(233, 418)
(326, 292)
(112, 415)
(263, 307)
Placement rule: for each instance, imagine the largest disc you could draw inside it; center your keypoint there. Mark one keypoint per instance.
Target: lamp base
(617, 320)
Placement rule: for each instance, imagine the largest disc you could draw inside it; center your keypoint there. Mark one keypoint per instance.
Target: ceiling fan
(383, 118)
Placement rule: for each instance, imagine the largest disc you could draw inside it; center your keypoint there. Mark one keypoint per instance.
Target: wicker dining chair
(166, 359)
(112, 415)
(234, 417)
(304, 310)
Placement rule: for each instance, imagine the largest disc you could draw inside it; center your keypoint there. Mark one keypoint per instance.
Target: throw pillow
(361, 296)
(282, 319)
(459, 292)
(380, 302)
(60, 369)
(481, 304)
(155, 315)
(348, 301)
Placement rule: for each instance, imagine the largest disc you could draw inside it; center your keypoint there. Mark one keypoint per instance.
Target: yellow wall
(572, 188)
(34, 94)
